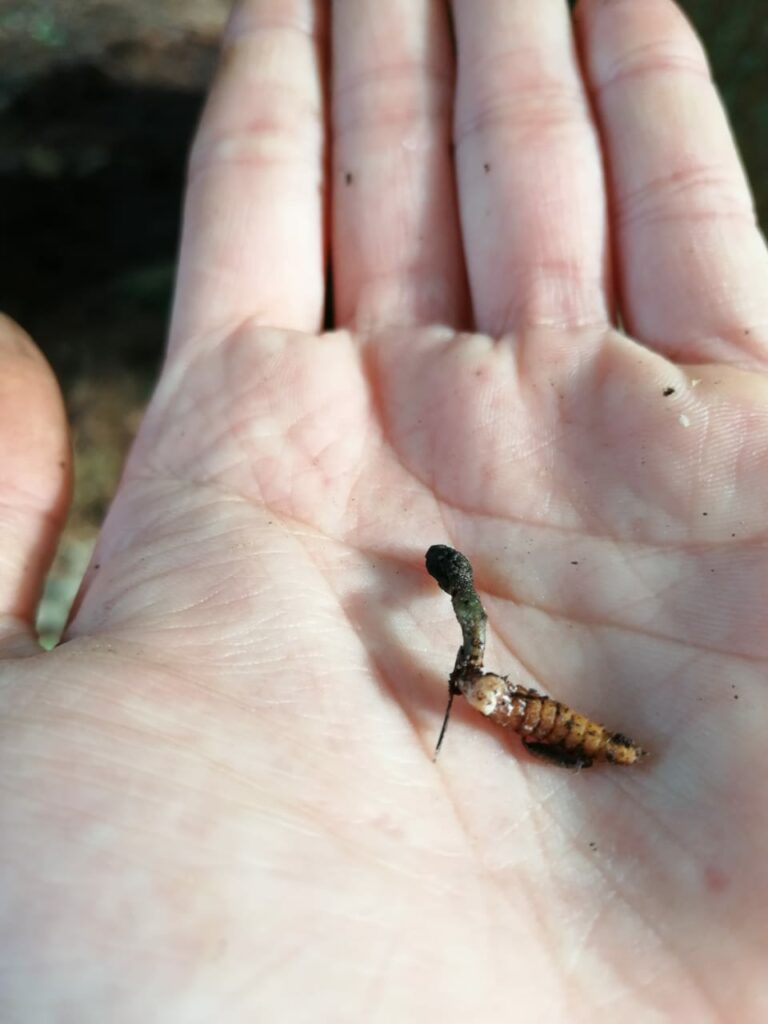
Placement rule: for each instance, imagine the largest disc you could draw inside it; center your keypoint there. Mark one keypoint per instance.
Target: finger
(35, 481)
(692, 266)
(530, 177)
(396, 243)
(252, 243)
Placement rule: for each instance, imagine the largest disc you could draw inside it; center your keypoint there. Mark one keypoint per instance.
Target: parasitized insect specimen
(549, 729)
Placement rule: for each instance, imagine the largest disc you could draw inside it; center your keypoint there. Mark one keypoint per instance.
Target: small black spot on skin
(349, 178)
(668, 391)
(486, 167)
(574, 563)
(735, 696)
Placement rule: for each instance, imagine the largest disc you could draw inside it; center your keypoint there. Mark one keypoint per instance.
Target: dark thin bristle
(447, 715)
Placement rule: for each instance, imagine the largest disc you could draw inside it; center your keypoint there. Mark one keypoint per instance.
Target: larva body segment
(549, 728)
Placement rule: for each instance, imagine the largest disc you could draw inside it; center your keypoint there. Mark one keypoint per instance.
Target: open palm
(219, 801)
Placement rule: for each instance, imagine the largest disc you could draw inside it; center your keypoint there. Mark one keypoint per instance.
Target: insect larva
(548, 728)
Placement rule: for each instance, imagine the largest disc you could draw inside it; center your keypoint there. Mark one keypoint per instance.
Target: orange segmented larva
(549, 728)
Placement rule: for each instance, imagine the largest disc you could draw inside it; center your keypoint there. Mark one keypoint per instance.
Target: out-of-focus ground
(98, 103)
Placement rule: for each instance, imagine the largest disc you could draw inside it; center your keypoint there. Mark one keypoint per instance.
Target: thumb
(35, 482)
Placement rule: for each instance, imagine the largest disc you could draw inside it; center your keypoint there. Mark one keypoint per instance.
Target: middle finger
(396, 243)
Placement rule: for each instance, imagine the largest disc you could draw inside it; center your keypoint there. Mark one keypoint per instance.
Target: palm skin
(220, 800)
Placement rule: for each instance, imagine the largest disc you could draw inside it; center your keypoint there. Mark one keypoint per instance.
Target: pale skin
(218, 795)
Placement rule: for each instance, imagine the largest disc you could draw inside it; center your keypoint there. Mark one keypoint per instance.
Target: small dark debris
(705, 513)
(558, 755)
(668, 391)
(349, 178)
(574, 563)
(735, 696)
(486, 167)
(619, 737)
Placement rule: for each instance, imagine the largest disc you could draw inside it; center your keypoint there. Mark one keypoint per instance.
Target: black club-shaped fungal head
(450, 568)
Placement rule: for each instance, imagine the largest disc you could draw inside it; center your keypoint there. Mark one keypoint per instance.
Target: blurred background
(98, 103)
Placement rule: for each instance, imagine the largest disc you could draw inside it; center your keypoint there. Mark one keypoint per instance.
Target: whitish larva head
(484, 691)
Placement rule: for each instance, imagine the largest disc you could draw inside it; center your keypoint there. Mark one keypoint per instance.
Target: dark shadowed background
(98, 102)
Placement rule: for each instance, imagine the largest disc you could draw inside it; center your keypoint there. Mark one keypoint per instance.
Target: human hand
(219, 799)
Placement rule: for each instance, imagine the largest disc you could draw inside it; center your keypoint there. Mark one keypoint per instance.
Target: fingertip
(35, 472)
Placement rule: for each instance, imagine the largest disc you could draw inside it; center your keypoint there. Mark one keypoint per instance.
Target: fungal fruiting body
(548, 728)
